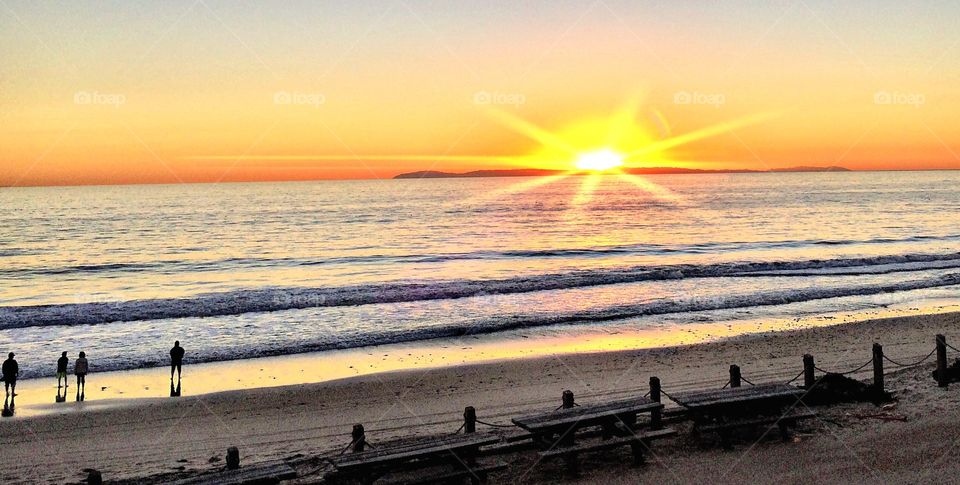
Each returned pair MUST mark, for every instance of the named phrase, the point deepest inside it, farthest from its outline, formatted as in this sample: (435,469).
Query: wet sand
(156,437)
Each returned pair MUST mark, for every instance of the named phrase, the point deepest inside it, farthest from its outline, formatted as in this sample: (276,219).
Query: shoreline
(119,387)
(152,437)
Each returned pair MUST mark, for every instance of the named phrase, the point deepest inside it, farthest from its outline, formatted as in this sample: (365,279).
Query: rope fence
(912,364)
(791,381)
(858,369)
(943,375)
(494,425)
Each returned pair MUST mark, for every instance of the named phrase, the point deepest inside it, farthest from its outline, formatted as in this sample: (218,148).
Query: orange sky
(138,92)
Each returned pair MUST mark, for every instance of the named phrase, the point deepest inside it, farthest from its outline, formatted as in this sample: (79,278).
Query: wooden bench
(479,472)
(723,410)
(457,451)
(637,442)
(259,474)
(781,421)
(555,432)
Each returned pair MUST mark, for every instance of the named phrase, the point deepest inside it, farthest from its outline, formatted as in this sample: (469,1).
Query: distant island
(538,172)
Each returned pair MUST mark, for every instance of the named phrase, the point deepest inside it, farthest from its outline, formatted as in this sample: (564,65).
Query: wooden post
(942,361)
(359,438)
(233,458)
(809,377)
(94,477)
(567,399)
(656,416)
(734,376)
(469,420)
(878,366)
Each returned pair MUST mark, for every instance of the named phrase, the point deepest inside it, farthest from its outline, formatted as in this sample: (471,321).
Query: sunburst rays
(619,134)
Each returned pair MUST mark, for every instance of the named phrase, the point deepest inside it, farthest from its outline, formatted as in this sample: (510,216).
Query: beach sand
(162,439)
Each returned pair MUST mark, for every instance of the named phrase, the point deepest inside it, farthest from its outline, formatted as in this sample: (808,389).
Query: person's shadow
(175,391)
(61,397)
(8,405)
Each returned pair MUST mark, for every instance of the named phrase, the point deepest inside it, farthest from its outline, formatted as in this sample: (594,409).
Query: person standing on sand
(80,369)
(10,372)
(62,370)
(176,359)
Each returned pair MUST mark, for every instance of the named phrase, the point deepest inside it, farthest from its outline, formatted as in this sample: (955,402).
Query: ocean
(244,270)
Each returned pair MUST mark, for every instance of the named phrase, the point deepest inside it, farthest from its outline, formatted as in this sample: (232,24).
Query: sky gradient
(207,91)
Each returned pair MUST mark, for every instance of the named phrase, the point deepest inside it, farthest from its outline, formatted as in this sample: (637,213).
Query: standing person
(80,369)
(176,359)
(10,372)
(62,370)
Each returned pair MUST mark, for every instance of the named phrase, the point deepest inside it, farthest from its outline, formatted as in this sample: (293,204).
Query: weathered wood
(637,441)
(233,458)
(479,472)
(781,422)
(792,416)
(656,415)
(726,397)
(358,438)
(640,436)
(878,366)
(735,376)
(942,379)
(809,368)
(94,477)
(263,473)
(413,449)
(587,415)
(469,420)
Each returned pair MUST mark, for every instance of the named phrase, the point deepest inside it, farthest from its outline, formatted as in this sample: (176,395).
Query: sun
(599,160)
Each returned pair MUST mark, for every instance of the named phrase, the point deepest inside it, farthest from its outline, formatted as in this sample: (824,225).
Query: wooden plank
(610,443)
(420,448)
(742,423)
(587,415)
(721,397)
(274,472)
(446,477)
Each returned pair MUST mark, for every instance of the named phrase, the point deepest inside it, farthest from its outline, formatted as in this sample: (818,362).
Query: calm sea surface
(241,270)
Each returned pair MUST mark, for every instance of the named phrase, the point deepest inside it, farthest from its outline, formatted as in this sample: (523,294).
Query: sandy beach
(161,439)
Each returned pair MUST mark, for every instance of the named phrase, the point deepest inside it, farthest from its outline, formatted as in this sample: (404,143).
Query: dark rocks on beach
(836,388)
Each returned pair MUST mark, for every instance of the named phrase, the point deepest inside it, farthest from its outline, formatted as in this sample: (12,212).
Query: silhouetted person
(80,369)
(176,359)
(10,372)
(62,370)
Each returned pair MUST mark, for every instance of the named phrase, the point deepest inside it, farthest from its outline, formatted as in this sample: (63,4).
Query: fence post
(359,438)
(233,458)
(94,477)
(942,361)
(809,377)
(734,376)
(878,366)
(567,399)
(469,420)
(656,416)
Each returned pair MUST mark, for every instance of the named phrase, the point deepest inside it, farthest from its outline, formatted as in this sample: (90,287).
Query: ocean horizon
(247,270)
